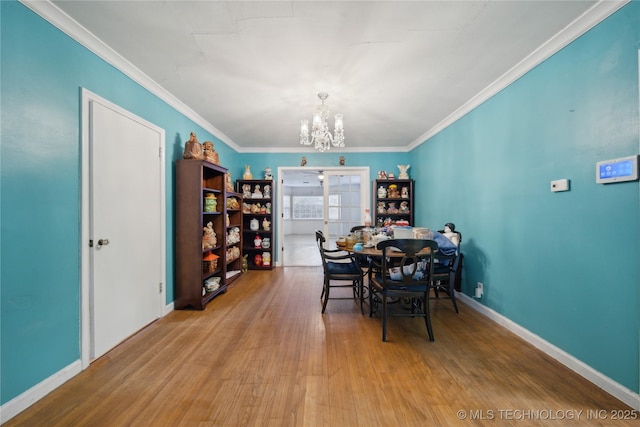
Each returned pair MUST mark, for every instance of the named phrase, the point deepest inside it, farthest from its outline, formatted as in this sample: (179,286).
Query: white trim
(365,197)
(168,308)
(38,391)
(85,320)
(575,29)
(73,29)
(596,14)
(615,389)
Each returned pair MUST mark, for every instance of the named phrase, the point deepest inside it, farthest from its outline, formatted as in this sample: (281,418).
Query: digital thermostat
(617,170)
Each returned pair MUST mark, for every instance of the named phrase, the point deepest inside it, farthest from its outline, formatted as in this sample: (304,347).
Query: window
(307,207)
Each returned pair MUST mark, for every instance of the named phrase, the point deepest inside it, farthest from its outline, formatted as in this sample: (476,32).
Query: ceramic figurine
(192,148)
(209,239)
(382,209)
(254,224)
(266,225)
(404,207)
(257,194)
(228,182)
(247,172)
(403,171)
(382,175)
(267,173)
(245,263)
(257,242)
(404,192)
(266,259)
(246,191)
(267,191)
(210,154)
(341,160)
(382,192)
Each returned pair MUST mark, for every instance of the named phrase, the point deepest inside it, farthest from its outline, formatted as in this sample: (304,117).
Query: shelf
(195,179)
(260,216)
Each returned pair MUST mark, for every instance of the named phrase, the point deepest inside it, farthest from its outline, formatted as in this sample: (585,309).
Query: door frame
(87,97)
(365,195)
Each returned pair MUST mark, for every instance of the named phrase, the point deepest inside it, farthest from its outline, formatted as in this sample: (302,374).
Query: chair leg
(326,295)
(427,316)
(452,295)
(361,284)
(384,318)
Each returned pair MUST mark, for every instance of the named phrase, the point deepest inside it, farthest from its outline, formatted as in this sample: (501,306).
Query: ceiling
(248,71)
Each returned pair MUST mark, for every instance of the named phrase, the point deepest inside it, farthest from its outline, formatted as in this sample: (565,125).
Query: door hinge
(160,291)
(91,243)
(160,152)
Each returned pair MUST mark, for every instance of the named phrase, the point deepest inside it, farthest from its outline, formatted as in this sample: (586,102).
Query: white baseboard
(607,384)
(38,391)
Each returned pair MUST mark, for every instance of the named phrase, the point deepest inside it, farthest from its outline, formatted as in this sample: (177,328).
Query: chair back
(415,267)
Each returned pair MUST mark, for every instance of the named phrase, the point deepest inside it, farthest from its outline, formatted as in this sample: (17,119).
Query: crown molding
(72,28)
(596,14)
(589,19)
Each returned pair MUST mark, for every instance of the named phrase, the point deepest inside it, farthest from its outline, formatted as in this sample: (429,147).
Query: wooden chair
(339,266)
(411,283)
(446,274)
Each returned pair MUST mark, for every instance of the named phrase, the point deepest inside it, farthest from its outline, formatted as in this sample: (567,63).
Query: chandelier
(321,138)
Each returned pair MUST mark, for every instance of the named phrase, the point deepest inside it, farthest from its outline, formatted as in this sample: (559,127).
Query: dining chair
(457,240)
(403,279)
(446,272)
(339,267)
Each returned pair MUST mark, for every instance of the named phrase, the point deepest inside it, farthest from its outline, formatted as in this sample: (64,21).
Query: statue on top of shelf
(192,148)
(404,174)
(210,154)
(247,172)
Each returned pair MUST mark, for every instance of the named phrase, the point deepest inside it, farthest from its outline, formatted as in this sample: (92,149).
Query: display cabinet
(393,202)
(257,222)
(204,265)
(234,235)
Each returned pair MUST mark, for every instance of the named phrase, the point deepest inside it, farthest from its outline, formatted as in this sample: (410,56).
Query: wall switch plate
(560,185)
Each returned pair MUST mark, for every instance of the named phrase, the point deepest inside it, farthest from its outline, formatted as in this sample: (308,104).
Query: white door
(125,211)
(346,193)
(346,196)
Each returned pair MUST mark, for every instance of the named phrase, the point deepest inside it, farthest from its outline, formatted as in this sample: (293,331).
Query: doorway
(330,199)
(123,226)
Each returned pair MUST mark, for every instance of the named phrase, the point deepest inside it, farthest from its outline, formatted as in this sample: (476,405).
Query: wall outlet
(479,290)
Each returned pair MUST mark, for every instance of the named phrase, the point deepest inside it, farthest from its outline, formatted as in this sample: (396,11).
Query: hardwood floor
(263,355)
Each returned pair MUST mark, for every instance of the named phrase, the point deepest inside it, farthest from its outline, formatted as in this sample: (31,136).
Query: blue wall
(562,265)
(489,173)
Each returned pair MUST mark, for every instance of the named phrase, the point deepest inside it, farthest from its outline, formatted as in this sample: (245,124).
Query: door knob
(103,242)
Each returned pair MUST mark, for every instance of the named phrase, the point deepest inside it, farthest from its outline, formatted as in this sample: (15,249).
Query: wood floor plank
(263,355)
